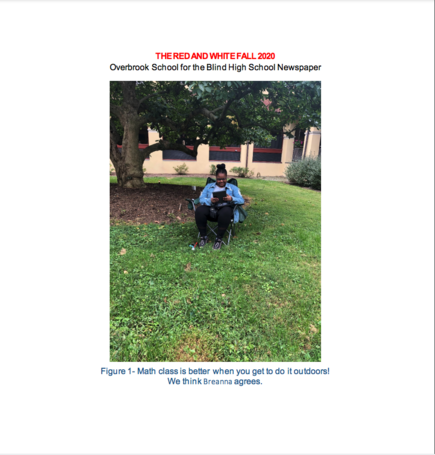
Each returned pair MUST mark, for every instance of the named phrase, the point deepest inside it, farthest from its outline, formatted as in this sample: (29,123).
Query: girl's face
(221,180)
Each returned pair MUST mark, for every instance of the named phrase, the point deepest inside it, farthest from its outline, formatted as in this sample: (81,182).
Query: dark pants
(202,214)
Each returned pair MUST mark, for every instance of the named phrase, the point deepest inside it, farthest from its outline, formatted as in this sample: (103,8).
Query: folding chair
(231,230)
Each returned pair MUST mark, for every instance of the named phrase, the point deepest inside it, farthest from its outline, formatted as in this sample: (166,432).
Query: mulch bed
(156,203)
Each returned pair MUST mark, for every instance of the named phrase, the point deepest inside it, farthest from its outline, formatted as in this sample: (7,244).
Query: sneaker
(217,244)
(203,242)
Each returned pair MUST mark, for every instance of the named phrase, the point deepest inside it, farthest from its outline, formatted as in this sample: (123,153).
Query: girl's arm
(237,196)
(203,199)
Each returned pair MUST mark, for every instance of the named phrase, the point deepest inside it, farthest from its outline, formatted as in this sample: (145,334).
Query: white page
(377,230)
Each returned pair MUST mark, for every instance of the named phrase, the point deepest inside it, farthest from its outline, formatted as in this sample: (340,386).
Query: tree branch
(143,121)
(151,95)
(115,139)
(129,92)
(239,122)
(236,98)
(114,132)
(226,107)
(209,114)
(166,145)
(116,110)
(217,109)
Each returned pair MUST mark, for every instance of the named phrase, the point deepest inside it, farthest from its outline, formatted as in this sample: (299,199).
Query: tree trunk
(128,163)
(131,172)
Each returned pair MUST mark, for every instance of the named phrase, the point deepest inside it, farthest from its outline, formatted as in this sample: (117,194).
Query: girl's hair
(220,169)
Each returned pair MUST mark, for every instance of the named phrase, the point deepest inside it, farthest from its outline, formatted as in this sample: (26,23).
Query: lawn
(254,301)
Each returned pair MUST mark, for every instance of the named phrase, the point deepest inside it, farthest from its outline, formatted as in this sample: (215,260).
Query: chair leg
(230,233)
(212,229)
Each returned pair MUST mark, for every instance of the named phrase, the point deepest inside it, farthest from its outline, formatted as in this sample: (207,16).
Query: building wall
(312,149)
(287,147)
(262,167)
(157,165)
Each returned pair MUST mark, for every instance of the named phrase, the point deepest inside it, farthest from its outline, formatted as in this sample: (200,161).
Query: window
(229,153)
(276,143)
(222,155)
(271,153)
(265,156)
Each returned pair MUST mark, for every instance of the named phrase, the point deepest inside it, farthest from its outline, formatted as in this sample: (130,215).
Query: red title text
(215,55)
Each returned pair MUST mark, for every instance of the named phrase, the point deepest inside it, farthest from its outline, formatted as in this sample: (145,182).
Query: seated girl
(224,209)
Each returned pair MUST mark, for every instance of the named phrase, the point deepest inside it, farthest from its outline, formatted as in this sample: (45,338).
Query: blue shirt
(231,190)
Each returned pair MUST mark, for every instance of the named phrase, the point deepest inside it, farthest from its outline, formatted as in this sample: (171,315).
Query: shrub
(144,170)
(307,172)
(182,169)
(242,172)
(212,169)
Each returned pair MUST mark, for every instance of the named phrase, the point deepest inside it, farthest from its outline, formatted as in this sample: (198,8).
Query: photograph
(215,221)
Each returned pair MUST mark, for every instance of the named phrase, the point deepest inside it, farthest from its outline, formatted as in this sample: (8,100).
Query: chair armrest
(191,203)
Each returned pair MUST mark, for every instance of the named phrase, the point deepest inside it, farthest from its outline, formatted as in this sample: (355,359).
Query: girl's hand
(228,198)
(214,200)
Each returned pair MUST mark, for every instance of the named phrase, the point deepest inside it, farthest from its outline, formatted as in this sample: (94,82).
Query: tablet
(220,195)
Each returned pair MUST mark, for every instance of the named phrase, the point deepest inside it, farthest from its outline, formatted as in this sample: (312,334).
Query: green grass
(257,300)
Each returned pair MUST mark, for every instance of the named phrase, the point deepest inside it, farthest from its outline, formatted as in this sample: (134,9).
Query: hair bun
(220,166)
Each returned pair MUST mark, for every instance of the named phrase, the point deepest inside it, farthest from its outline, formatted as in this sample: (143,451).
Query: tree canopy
(206,112)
